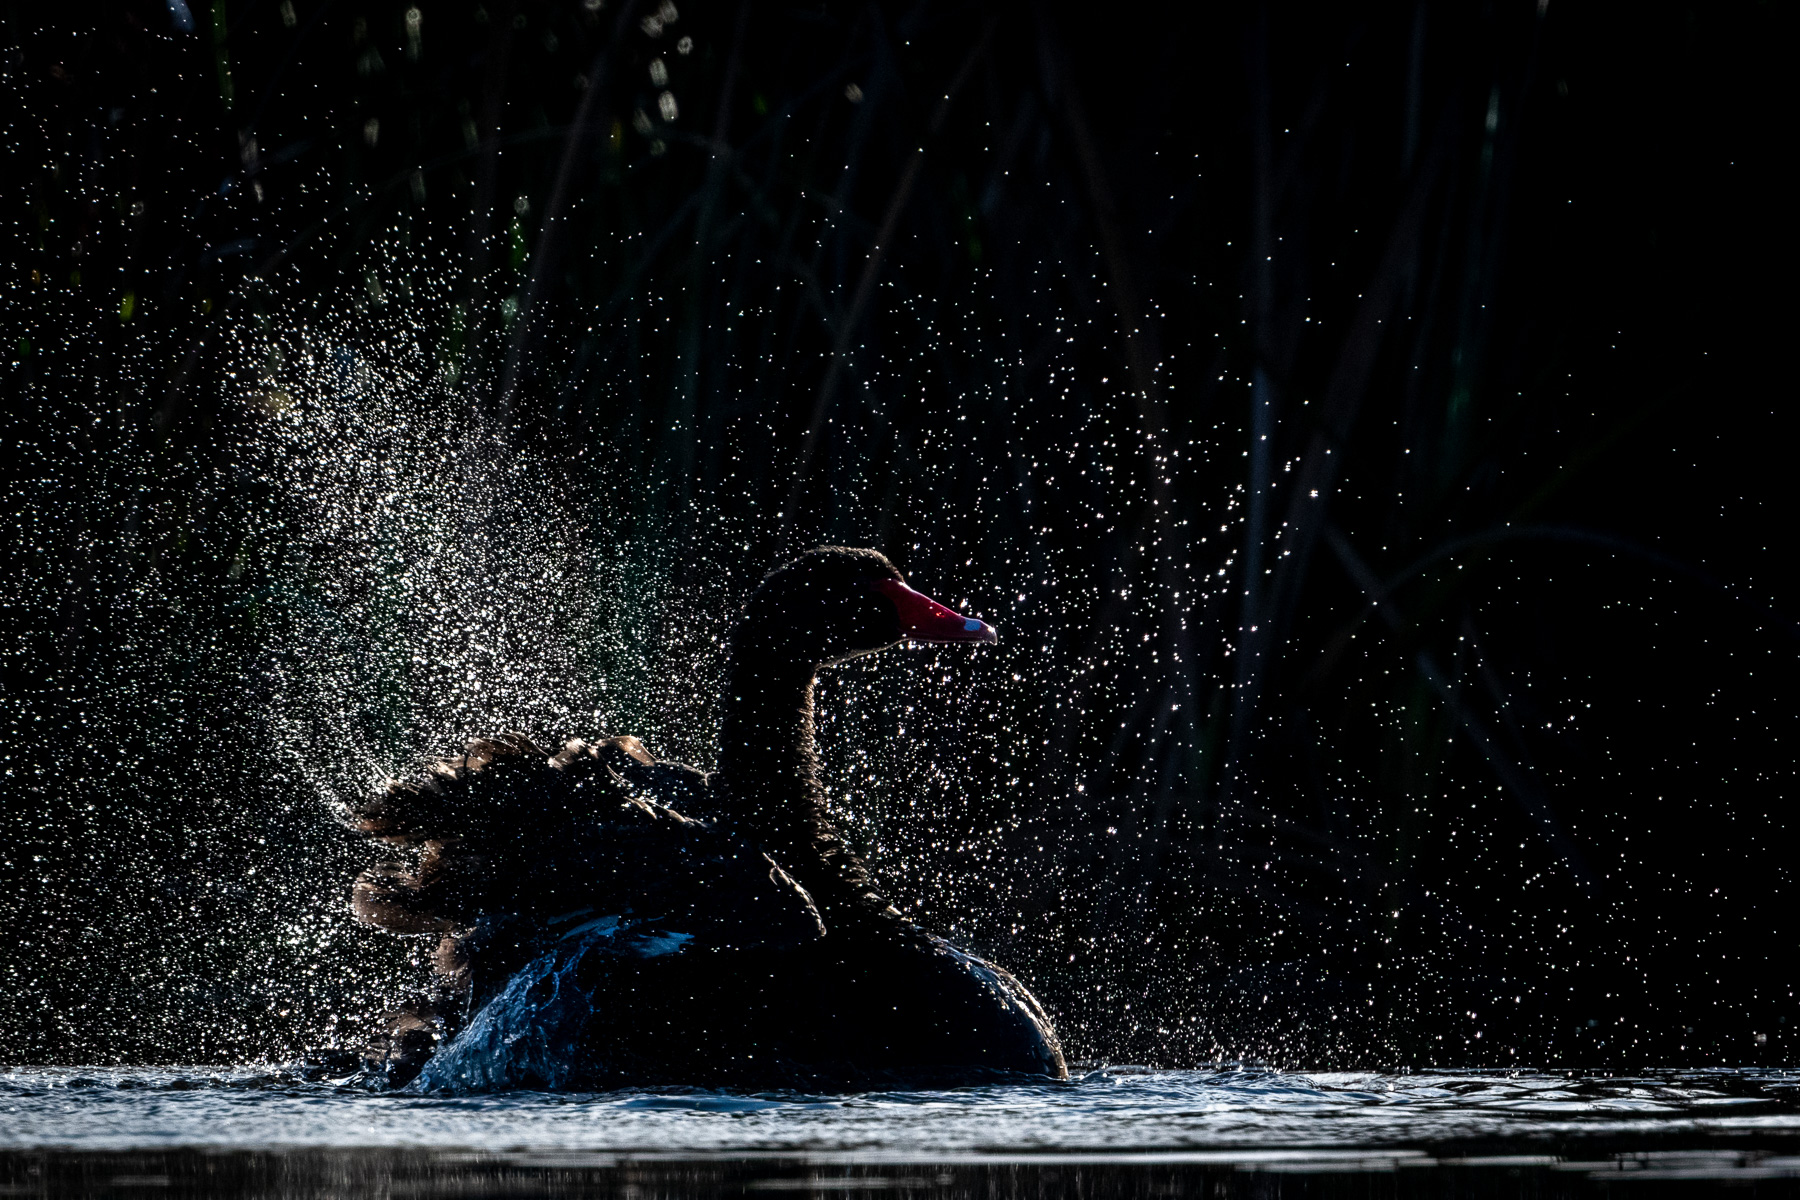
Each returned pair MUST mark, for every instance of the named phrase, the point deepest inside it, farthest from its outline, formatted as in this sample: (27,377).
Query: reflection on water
(397,1174)
(1113,1132)
(1110,1133)
(1109,1110)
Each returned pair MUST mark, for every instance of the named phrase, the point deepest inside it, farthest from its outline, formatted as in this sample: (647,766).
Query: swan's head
(835,603)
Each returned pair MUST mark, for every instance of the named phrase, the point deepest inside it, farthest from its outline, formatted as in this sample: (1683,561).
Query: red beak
(923,619)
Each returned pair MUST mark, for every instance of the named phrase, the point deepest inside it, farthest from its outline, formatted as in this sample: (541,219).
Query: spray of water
(429,578)
(433,581)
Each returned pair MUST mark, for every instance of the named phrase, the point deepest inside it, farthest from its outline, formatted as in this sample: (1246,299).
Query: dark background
(1362,421)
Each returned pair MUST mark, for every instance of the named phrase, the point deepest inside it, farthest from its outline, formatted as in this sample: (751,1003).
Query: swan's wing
(499,785)
(652,864)
(671,785)
(493,789)
(508,828)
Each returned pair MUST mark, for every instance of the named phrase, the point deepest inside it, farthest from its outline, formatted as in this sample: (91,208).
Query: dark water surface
(243,1131)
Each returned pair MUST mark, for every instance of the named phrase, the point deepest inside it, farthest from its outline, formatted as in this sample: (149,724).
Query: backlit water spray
(426,577)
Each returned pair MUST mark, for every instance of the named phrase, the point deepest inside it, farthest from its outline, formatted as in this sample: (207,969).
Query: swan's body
(598,938)
(635,1006)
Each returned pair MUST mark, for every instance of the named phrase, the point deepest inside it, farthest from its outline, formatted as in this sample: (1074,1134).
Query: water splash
(432,579)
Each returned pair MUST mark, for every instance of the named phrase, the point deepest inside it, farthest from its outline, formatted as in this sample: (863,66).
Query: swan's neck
(770,770)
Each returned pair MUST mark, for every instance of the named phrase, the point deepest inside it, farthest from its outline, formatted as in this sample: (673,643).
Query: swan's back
(515,849)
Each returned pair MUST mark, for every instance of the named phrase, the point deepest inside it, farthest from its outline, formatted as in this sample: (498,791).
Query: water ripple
(1112,1111)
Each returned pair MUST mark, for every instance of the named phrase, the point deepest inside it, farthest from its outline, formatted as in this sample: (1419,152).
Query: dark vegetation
(1374,411)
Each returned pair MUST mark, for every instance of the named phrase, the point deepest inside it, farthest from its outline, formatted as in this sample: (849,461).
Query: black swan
(611,921)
